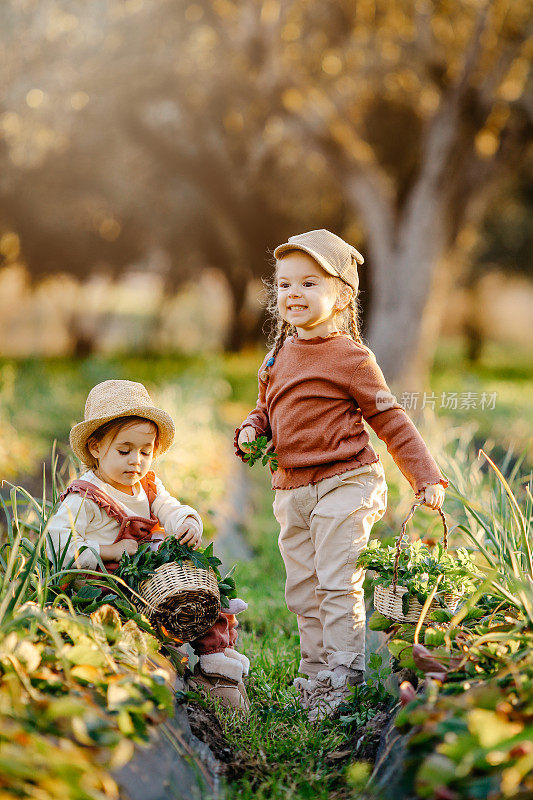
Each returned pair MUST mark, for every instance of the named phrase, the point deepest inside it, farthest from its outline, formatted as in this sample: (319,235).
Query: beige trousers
(324,528)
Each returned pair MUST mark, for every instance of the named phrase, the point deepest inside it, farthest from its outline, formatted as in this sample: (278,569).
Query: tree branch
(472,54)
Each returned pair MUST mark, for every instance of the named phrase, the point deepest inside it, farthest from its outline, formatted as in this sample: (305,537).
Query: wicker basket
(183,598)
(389,604)
(388,599)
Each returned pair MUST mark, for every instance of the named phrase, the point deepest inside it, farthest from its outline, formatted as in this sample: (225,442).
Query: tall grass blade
(8,519)
(519,517)
(14,549)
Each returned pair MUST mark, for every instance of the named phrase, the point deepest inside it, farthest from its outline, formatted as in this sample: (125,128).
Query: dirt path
(230,544)
(174,766)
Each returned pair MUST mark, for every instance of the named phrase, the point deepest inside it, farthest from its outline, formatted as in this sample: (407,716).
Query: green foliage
(30,573)
(78,692)
(419,568)
(472,736)
(478,743)
(137,567)
(257,450)
(366,700)
(378,622)
(503,534)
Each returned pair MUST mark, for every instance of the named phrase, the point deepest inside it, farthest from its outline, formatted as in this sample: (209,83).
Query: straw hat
(111,400)
(333,254)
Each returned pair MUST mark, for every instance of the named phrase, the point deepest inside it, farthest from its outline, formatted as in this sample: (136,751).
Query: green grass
(44,396)
(262,578)
(503,370)
(281,754)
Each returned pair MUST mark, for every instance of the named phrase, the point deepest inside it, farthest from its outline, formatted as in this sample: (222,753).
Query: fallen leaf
(87,672)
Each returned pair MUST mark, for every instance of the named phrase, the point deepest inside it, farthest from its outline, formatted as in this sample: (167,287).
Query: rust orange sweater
(319,392)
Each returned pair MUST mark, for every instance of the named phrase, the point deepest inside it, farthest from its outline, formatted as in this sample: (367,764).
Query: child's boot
(230,652)
(332,687)
(305,689)
(221,678)
(219,664)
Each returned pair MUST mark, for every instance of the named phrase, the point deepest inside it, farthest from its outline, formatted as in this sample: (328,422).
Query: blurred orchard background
(154,152)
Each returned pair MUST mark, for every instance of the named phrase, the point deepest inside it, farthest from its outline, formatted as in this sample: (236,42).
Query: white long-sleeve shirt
(91,526)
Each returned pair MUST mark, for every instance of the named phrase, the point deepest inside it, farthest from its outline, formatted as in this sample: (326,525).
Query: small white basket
(389,603)
(388,599)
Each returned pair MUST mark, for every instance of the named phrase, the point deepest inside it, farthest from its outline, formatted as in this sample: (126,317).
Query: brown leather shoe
(232,694)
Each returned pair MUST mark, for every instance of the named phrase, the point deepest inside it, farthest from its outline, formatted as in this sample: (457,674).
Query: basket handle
(399,542)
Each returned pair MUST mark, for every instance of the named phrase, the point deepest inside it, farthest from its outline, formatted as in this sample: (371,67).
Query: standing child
(119,503)
(316,386)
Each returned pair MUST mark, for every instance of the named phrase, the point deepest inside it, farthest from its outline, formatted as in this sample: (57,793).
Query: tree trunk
(405,250)
(400,314)
(474,327)
(83,335)
(239,329)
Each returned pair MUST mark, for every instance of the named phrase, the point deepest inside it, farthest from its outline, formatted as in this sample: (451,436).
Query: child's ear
(94,448)
(345,295)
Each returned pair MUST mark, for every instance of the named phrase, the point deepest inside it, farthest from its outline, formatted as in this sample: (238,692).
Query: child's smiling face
(307,295)
(124,457)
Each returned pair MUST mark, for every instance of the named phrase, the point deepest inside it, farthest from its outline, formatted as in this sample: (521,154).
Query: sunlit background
(154,151)
(153,154)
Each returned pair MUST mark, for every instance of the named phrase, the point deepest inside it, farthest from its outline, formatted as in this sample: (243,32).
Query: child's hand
(247,435)
(113,552)
(189,533)
(433,495)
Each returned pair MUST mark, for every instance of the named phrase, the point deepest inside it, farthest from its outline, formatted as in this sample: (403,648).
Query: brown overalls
(141,529)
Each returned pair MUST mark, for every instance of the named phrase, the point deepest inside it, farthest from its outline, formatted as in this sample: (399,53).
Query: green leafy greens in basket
(138,567)
(419,568)
(257,450)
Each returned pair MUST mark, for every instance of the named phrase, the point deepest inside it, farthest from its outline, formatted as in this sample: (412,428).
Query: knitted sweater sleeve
(392,424)
(69,533)
(171,513)
(258,417)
